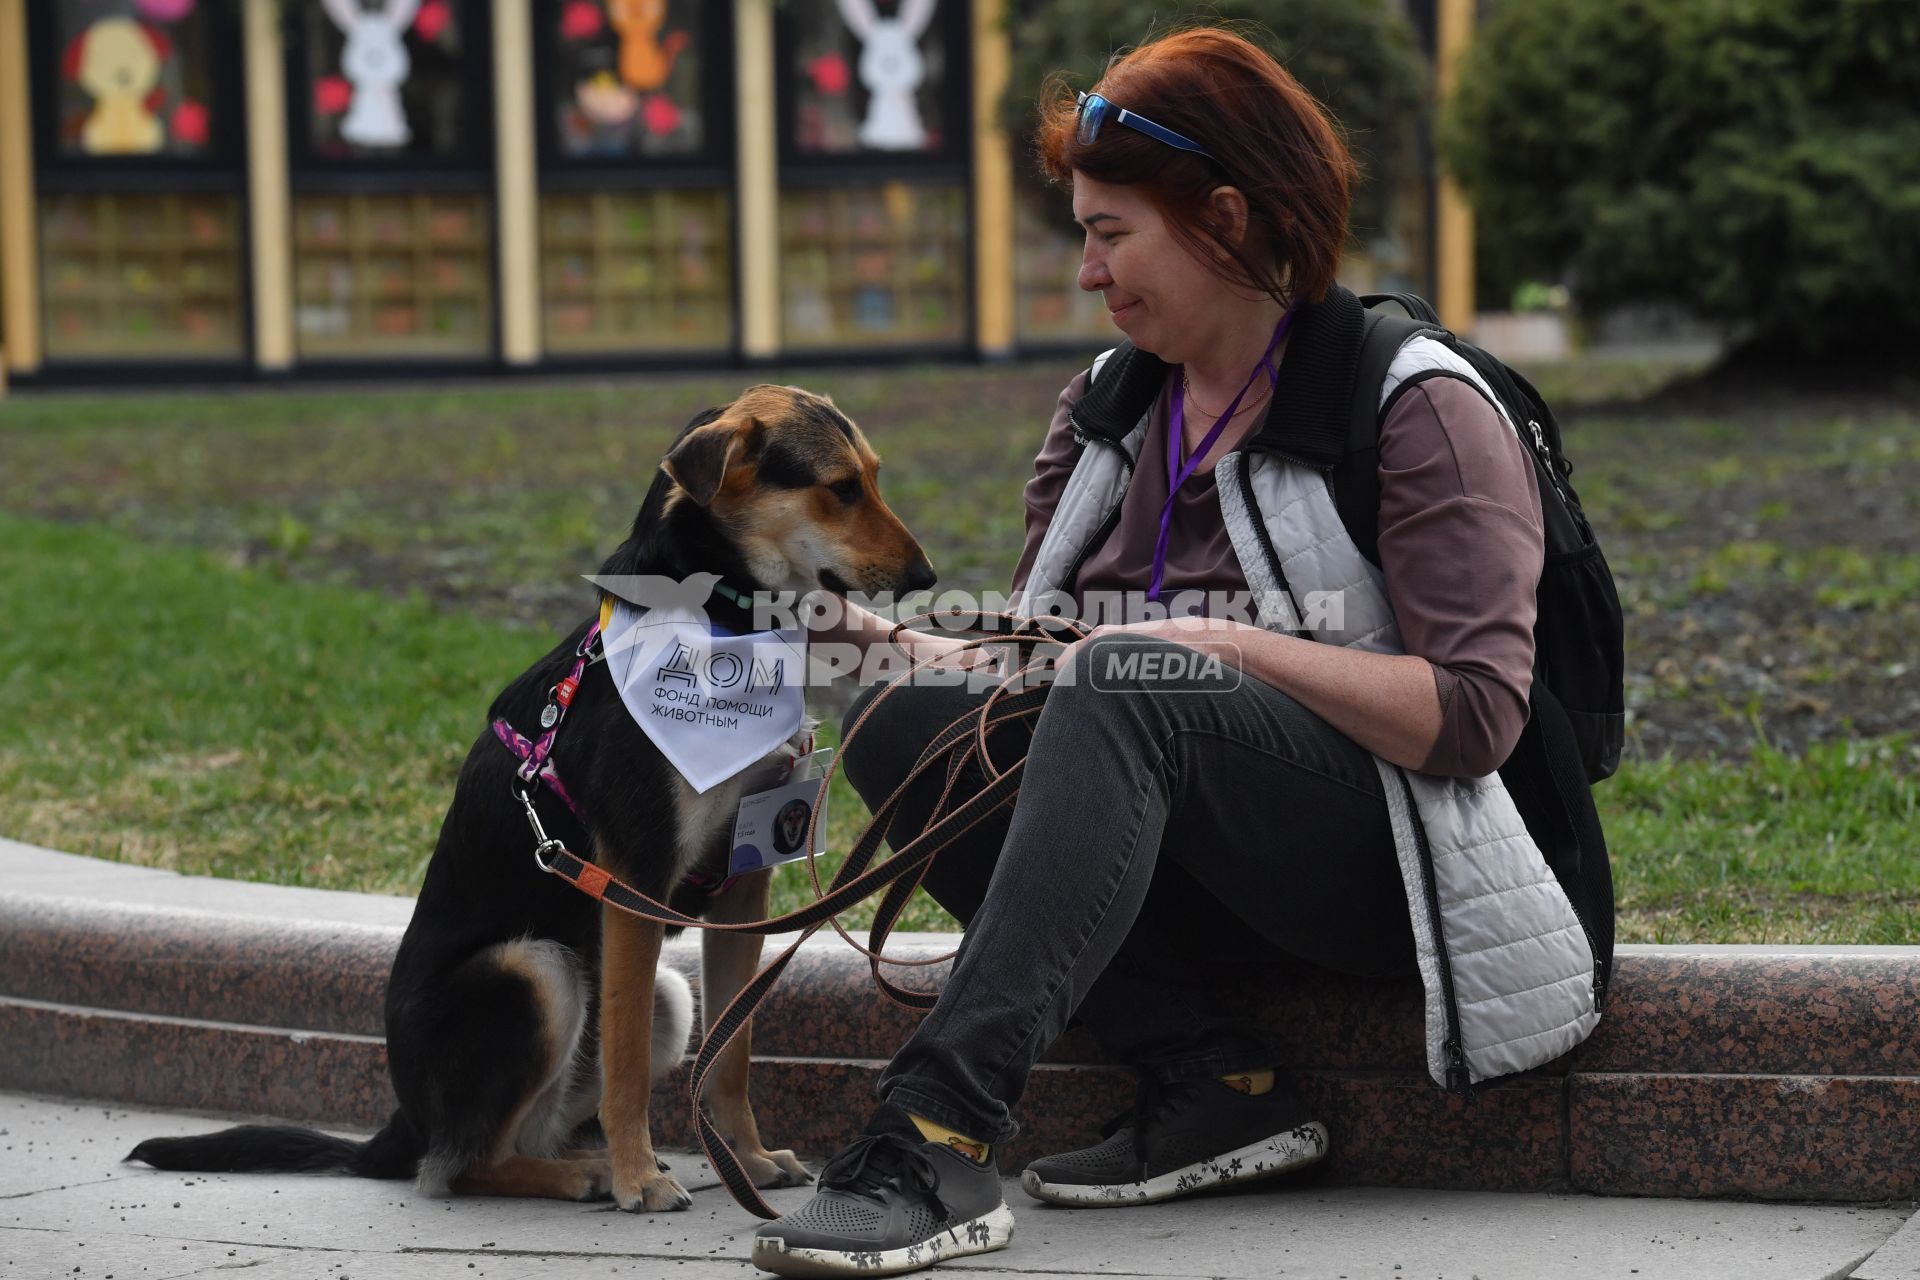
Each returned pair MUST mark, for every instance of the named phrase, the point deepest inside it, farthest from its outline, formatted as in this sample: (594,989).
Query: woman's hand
(839,628)
(1217,636)
(1385,702)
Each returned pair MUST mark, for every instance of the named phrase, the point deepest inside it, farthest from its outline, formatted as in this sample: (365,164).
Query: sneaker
(891,1202)
(1181,1139)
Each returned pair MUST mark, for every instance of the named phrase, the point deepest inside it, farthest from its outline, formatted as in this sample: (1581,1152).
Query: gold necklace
(1187,388)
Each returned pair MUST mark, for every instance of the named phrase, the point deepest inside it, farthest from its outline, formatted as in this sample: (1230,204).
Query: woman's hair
(1268,136)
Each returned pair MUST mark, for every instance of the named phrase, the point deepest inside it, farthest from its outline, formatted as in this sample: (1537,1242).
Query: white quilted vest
(1507,967)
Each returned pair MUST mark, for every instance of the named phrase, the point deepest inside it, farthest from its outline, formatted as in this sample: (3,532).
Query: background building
(211,188)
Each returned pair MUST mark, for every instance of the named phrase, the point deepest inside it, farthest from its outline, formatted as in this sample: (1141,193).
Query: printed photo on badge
(790,826)
(771,826)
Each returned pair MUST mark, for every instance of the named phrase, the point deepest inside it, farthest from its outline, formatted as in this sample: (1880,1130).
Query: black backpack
(1578,634)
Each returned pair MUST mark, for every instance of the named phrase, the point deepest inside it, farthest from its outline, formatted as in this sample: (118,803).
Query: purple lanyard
(1178,469)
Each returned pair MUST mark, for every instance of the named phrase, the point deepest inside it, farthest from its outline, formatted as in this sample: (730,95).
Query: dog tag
(771,826)
(549,716)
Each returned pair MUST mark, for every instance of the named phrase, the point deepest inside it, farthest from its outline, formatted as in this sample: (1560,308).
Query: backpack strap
(1123,385)
(1416,307)
(1356,477)
(1120,387)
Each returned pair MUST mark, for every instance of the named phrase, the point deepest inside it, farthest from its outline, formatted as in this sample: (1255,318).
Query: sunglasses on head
(1093,111)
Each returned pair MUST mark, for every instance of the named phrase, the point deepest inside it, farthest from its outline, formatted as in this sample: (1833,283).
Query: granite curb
(1781,1073)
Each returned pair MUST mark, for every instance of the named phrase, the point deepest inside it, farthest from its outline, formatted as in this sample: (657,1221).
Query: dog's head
(794,484)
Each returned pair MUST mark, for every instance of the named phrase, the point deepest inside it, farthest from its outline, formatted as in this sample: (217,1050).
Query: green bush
(1755,160)
(1356,56)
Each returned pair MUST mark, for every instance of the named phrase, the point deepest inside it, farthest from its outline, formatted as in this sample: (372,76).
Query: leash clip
(547,846)
(544,845)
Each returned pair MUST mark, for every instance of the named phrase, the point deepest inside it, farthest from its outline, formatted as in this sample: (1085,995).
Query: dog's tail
(280,1148)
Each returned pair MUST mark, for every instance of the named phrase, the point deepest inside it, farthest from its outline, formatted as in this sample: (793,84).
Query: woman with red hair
(1277,746)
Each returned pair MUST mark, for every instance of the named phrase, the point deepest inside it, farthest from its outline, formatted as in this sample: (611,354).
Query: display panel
(874,264)
(1049,303)
(386,82)
(873,77)
(136,78)
(141,276)
(386,274)
(631,271)
(628,79)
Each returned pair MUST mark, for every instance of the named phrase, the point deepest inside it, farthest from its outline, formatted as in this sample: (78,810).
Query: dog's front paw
(775,1169)
(658,1192)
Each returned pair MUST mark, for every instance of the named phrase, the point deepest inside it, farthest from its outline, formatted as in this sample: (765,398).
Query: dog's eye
(848,490)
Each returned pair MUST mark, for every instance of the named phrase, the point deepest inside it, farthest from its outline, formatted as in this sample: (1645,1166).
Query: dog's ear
(703,458)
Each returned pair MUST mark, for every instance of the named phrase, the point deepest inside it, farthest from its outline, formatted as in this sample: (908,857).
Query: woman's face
(1159,294)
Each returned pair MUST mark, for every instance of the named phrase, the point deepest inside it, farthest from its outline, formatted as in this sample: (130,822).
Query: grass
(171,709)
(1840,577)
(250,635)
(174,712)
(185,714)
(1780,848)
(493,498)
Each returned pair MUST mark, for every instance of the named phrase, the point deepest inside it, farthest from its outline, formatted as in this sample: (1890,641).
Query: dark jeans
(1167,833)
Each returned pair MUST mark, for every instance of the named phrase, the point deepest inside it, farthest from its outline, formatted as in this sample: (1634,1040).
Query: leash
(1018,696)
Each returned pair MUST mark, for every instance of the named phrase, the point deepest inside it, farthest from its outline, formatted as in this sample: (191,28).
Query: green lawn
(254,632)
(172,709)
(492,499)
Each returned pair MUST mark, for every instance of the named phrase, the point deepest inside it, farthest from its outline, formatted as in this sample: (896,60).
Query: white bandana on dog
(713,703)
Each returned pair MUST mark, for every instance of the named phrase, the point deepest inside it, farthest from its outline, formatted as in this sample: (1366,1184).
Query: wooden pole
(1453,232)
(757,181)
(269,203)
(19,264)
(516,182)
(993,327)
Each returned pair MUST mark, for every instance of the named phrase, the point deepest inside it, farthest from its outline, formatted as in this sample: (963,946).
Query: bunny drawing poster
(891,70)
(374,61)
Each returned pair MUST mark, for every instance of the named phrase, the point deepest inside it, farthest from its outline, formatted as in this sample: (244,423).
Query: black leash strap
(857,879)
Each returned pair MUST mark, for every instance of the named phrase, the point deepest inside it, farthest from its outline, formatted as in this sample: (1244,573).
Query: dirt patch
(1769,561)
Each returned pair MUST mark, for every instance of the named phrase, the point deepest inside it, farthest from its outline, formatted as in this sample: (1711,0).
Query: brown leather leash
(1018,696)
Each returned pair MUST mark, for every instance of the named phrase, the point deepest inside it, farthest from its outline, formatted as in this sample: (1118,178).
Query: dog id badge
(771,826)
(713,703)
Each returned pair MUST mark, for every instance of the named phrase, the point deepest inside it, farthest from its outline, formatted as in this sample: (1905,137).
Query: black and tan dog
(518,1007)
